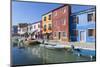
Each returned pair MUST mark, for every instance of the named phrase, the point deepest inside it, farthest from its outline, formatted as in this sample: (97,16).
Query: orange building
(47,25)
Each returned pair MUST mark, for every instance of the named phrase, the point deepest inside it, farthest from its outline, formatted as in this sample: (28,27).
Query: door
(82,36)
(59,35)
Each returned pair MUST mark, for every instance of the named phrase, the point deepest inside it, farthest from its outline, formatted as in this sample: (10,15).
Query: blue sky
(30,12)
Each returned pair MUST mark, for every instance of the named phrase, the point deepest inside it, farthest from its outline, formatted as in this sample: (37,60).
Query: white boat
(53,46)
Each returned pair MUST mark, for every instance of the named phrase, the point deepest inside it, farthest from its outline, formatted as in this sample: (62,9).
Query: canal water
(40,55)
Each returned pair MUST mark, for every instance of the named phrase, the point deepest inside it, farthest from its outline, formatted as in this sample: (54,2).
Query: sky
(30,12)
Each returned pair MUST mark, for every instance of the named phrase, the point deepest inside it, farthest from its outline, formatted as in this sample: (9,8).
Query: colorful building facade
(60,18)
(36,29)
(62,25)
(47,25)
(82,26)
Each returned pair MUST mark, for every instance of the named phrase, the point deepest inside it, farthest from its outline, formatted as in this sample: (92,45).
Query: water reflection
(24,57)
(41,55)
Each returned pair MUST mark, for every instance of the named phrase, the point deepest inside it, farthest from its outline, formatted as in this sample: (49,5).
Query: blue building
(14,29)
(82,26)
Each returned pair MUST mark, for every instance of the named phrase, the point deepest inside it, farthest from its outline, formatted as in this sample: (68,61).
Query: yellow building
(47,25)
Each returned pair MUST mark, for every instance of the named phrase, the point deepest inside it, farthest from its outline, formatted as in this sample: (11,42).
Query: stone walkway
(81,45)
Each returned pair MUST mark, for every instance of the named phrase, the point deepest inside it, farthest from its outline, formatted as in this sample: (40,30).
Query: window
(64,34)
(64,10)
(44,27)
(34,26)
(75,19)
(55,24)
(30,27)
(55,34)
(55,13)
(94,17)
(94,32)
(90,17)
(38,25)
(91,32)
(49,17)
(64,21)
(44,18)
(50,27)
(75,32)
(60,21)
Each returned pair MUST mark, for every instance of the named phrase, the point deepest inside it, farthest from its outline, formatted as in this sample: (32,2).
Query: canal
(41,55)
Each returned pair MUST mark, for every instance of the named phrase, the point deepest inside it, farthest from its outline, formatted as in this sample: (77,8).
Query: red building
(60,18)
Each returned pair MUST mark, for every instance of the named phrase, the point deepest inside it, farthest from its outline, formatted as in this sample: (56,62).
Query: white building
(22,28)
(36,29)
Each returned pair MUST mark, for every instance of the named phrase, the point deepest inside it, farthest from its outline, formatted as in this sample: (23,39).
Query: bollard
(91,57)
(79,54)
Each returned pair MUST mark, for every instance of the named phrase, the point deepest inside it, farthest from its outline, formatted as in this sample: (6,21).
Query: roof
(22,25)
(56,8)
(84,11)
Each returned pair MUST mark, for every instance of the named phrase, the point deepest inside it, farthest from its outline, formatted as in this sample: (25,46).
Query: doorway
(59,35)
(82,36)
